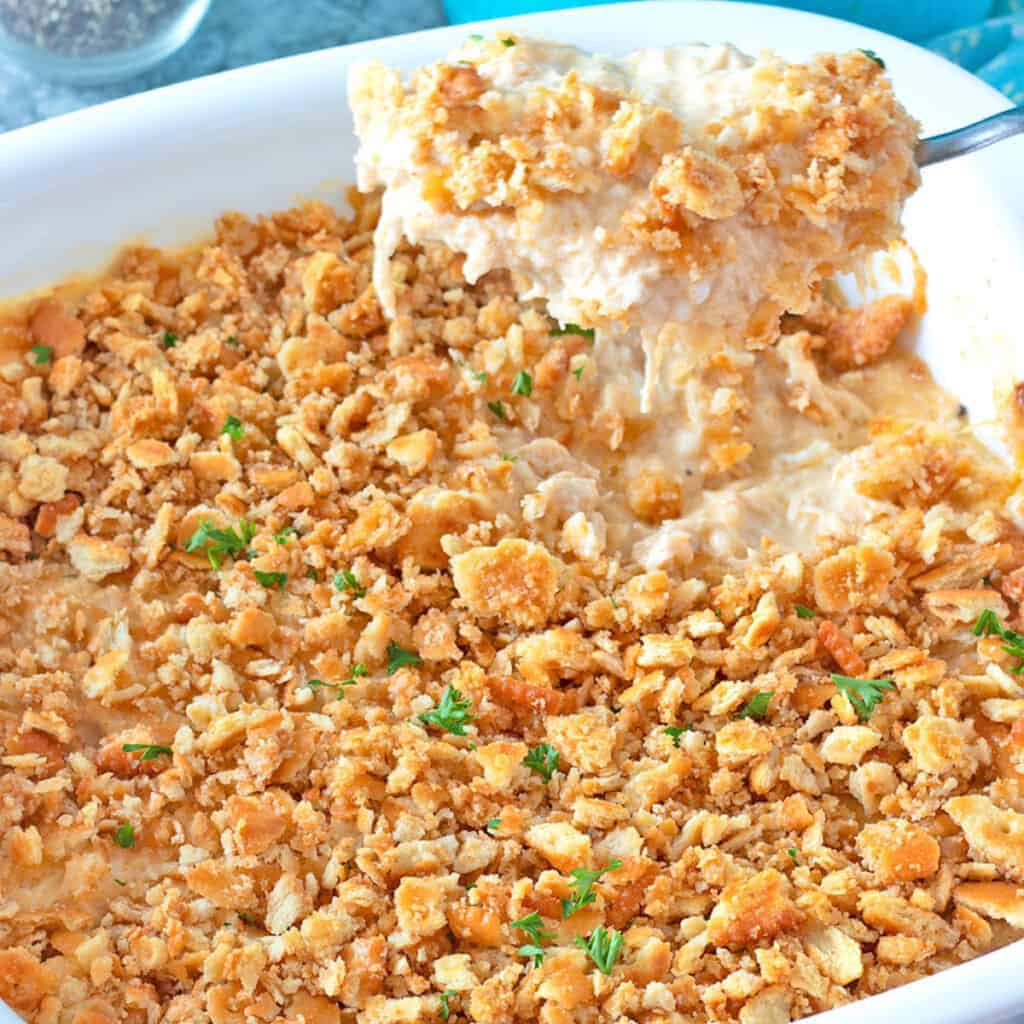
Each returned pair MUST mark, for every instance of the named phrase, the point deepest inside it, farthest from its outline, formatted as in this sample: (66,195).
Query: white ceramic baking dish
(161,165)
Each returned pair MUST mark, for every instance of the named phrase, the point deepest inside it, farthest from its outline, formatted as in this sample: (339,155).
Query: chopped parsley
(451,714)
(245,916)
(218,543)
(583,332)
(358,671)
(863,694)
(493,825)
(534,952)
(508,41)
(149,751)
(582,884)
(523,384)
(533,925)
(233,341)
(168,340)
(120,881)
(444,997)
(125,836)
(476,37)
(281,536)
(792,851)
(542,759)
(271,579)
(481,375)
(346,580)
(498,408)
(603,947)
(988,625)
(233,428)
(871,55)
(803,612)
(312,574)
(398,657)
(676,732)
(43,354)
(757,706)
(509,458)
(578,372)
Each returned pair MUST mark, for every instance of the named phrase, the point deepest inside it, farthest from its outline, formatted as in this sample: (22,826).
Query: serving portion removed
(536,595)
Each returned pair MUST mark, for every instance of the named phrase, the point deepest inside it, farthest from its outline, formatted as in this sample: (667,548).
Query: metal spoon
(967,140)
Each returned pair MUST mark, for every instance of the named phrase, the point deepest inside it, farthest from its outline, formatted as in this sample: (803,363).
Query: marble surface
(234,33)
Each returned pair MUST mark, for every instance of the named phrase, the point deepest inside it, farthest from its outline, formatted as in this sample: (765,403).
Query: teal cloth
(984,36)
(993,49)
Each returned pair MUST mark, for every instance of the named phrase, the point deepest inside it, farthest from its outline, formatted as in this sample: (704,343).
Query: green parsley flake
(233,428)
(125,836)
(43,354)
(543,759)
(792,851)
(168,340)
(523,384)
(398,657)
(452,713)
(217,544)
(346,580)
(271,579)
(578,372)
(244,915)
(508,42)
(988,625)
(533,925)
(583,332)
(534,952)
(233,341)
(149,751)
(582,883)
(358,671)
(603,947)
(803,612)
(476,37)
(494,824)
(481,375)
(312,574)
(120,881)
(510,458)
(863,694)
(874,56)
(281,536)
(498,408)
(676,732)
(444,997)
(757,706)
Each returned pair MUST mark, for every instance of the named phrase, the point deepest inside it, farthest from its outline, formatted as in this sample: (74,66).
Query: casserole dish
(162,165)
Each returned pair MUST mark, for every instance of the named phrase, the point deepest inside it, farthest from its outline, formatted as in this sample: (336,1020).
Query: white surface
(161,165)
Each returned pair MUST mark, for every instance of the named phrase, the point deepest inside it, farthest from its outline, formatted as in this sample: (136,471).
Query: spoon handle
(967,140)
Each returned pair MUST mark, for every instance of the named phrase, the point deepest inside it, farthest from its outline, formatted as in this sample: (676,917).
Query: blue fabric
(984,36)
(992,49)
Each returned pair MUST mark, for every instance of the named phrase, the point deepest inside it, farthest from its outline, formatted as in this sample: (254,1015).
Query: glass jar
(88,42)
